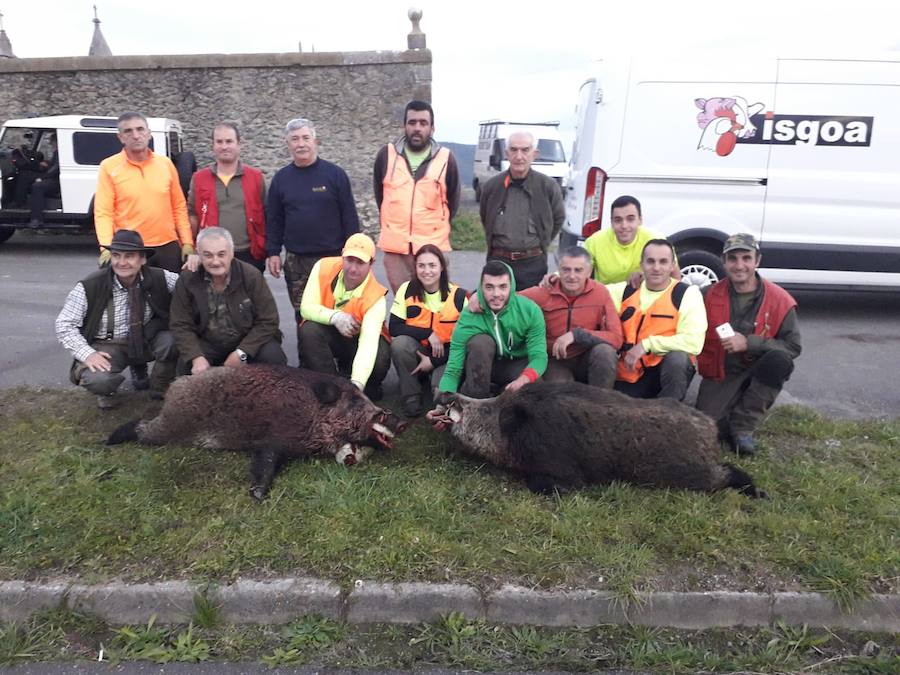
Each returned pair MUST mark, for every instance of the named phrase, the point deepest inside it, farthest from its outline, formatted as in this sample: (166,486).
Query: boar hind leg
(544,484)
(263,467)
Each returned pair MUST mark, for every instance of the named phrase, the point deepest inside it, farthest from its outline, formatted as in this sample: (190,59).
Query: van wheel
(477,192)
(6,233)
(700,268)
(186,165)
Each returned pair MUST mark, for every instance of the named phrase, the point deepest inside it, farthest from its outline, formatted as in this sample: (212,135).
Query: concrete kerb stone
(694,611)
(282,600)
(20,599)
(518,605)
(372,602)
(276,601)
(879,613)
(122,603)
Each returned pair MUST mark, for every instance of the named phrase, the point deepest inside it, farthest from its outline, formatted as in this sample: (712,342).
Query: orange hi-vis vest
(414,212)
(358,305)
(441,322)
(661,318)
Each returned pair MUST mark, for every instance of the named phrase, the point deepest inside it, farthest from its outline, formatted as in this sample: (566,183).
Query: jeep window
(91,148)
(174,143)
(550,151)
(16,137)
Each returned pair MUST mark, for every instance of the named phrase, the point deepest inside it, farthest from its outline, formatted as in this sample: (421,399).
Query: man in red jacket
(230,195)
(583,329)
(752,339)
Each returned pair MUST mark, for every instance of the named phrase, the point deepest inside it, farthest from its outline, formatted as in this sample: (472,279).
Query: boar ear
(326,392)
(444,398)
(513,418)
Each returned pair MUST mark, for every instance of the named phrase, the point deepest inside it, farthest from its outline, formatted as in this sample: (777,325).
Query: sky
(523,61)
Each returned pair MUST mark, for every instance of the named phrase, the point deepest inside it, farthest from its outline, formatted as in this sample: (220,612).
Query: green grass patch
(467,233)
(455,642)
(72,506)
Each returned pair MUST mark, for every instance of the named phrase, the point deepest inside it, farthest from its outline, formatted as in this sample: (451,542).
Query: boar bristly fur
(561,436)
(274,412)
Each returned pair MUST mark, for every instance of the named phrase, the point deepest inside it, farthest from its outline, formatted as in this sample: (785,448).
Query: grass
(72,506)
(467,233)
(455,642)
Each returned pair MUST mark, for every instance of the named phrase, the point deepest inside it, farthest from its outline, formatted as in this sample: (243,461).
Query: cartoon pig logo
(723,121)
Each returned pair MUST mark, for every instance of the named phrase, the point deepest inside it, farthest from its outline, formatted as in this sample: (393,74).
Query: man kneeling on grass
(504,344)
(118,317)
(223,314)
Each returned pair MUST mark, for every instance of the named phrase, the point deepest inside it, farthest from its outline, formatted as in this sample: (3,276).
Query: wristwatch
(242,355)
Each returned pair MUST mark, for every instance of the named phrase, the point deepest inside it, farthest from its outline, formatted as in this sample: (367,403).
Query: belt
(516,255)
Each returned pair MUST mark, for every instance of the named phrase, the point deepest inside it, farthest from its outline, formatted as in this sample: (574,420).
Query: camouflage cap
(740,242)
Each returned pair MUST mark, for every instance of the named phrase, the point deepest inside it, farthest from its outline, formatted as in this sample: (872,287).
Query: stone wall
(355,99)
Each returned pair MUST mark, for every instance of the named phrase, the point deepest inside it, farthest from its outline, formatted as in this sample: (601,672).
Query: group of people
(180,283)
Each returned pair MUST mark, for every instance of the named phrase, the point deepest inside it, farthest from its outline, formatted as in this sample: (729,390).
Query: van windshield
(550,150)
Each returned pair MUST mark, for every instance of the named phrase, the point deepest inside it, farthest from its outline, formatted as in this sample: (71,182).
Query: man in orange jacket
(416,184)
(139,190)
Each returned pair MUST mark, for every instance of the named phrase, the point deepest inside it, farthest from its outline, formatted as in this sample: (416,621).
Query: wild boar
(274,412)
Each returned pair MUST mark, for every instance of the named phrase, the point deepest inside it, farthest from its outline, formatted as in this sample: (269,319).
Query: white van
(490,153)
(802,153)
(83,142)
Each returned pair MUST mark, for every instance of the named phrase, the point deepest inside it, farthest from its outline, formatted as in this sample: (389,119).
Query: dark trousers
(404,355)
(670,379)
(271,352)
(740,400)
(322,345)
(481,369)
(244,256)
(528,271)
(167,256)
(596,366)
(296,270)
(160,350)
(39,193)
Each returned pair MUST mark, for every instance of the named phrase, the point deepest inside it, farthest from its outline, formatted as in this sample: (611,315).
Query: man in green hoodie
(503,344)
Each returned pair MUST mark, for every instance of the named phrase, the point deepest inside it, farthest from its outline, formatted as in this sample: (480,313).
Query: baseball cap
(359,246)
(740,242)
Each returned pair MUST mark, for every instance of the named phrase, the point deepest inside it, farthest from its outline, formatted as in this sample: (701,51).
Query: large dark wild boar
(562,435)
(275,412)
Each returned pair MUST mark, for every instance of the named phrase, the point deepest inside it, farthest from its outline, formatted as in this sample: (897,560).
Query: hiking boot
(412,406)
(107,402)
(140,380)
(374,392)
(743,443)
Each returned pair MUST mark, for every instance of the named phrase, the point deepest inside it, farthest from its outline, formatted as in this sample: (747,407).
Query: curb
(280,601)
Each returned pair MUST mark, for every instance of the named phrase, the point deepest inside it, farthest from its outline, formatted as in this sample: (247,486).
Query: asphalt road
(851,340)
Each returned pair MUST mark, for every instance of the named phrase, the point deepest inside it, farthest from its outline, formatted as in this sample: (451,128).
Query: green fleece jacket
(518,331)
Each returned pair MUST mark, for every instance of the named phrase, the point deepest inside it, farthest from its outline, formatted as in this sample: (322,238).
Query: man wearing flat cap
(752,339)
(118,317)
(343,310)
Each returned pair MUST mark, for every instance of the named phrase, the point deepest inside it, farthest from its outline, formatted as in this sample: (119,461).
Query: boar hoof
(258,492)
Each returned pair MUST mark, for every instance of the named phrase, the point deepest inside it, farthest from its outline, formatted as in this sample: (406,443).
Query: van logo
(725,122)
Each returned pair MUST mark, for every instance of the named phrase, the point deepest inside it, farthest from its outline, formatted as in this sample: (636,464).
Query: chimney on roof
(6,51)
(98,42)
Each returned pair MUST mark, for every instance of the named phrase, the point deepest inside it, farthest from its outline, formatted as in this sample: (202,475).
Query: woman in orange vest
(423,317)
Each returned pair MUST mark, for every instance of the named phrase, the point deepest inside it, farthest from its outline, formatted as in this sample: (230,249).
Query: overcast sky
(491,59)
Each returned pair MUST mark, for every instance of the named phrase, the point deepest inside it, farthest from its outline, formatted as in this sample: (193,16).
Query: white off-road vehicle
(26,149)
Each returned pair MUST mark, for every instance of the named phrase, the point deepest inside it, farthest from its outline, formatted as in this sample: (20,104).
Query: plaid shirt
(71,318)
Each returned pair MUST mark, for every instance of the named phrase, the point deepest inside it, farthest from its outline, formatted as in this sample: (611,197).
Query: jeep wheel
(6,233)
(186,165)
(700,268)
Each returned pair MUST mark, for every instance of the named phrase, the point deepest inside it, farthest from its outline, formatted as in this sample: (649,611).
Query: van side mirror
(494,162)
